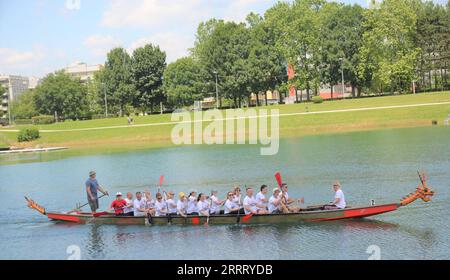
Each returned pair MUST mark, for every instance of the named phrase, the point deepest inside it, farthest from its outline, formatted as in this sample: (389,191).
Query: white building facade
(83,71)
(14,86)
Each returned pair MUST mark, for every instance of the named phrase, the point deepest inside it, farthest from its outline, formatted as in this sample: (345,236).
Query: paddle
(79,207)
(278,177)
(420,177)
(161,180)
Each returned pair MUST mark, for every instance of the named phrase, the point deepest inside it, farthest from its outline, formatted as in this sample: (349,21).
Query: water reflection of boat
(309,214)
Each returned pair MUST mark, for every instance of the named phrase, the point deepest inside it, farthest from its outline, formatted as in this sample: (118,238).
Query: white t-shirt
(182,206)
(259,198)
(251,203)
(139,204)
(214,206)
(229,205)
(192,205)
(340,194)
(172,206)
(203,206)
(237,199)
(128,209)
(149,204)
(272,207)
(160,206)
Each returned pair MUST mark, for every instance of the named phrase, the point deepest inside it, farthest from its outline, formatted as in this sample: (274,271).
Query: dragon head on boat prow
(423,192)
(33,205)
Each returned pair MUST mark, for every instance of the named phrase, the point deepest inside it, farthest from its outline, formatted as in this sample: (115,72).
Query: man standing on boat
(92,188)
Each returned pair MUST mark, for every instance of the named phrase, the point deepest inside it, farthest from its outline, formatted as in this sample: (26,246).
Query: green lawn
(133,138)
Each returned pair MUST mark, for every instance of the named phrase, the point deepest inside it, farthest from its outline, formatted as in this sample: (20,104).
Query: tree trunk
(353,91)
(257,99)
(332,91)
(265,97)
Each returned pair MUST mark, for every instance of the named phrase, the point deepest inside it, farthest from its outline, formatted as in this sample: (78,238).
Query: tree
(24,106)
(341,32)
(61,95)
(295,26)
(148,65)
(115,79)
(266,65)
(223,48)
(183,82)
(388,54)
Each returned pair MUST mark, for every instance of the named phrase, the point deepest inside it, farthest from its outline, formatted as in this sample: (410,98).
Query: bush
(28,134)
(43,119)
(23,121)
(317,99)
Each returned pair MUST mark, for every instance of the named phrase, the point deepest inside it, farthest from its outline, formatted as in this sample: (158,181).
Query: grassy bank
(158,135)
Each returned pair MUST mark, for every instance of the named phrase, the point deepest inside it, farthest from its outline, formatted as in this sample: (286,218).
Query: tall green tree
(116,80)
(341,32)
(61,94)
(266,64)
(183,82)
(24,106)
(148,65)
(388,54)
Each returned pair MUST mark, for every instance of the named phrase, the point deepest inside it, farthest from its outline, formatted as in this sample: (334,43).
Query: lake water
(379,165)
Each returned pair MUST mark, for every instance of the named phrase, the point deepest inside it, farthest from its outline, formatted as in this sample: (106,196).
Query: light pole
(217,90)
(342,74)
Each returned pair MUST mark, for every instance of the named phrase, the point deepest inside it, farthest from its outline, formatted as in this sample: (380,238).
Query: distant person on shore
(339,198)
(92,188)
(130,120)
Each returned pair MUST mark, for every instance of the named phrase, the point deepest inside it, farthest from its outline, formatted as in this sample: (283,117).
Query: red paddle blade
(246,218)
(161,180)
(278,177)
(96,215)
(196,220)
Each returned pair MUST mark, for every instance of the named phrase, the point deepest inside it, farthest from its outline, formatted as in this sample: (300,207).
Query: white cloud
(238,10)
(174,44)
(14,61)
(99,45)
(151,13)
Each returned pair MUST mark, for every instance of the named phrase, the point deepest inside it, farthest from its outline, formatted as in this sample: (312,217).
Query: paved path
(224,119)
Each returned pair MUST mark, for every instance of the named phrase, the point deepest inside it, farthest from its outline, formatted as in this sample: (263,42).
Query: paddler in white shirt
(288,201)
(230,206)
(261,196)
(216,203)
(171,205)
(203,205)
(251,206)
(192,203)
(160,206)
(275,202)
(182,204)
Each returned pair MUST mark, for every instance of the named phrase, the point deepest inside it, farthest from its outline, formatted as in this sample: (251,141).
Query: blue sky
(41,36)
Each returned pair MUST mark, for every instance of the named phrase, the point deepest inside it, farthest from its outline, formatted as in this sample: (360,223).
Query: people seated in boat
(92,188)
(230,206)
(203,205)
(216,203)
(237,197)
(118,205)
(139,205)
(339,198)
(160,206)
(192,203)
(129,210)
(275,202)
(171,204)
(288,201)
(182,204)
(251,206)
(261,196)
(149,203)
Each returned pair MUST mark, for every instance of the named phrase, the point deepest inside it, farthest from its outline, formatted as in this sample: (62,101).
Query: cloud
(238,10)
(99,45)
(175,45)
(152,13)
(14,61)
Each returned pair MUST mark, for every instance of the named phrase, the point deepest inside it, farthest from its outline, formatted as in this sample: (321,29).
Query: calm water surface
(378,165)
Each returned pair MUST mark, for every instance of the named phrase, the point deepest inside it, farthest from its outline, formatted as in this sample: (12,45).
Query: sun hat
(118,194)
(275,189)
(92,173)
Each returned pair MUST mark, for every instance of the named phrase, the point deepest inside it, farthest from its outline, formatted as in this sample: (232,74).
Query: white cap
(118,193)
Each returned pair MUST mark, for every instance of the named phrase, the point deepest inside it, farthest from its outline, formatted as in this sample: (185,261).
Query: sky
(38,37)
